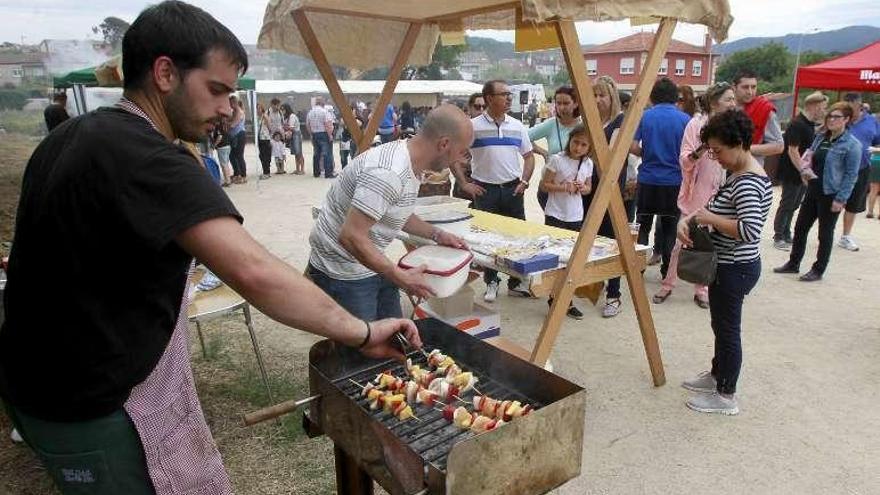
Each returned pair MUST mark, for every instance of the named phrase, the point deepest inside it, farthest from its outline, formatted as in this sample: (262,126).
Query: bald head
(448,121)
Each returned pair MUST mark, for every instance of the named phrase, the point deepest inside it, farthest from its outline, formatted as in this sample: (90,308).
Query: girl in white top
(567,177)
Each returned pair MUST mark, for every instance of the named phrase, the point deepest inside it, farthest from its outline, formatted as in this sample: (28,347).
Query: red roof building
(623,59)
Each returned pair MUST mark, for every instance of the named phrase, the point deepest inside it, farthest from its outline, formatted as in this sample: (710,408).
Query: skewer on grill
(462,418)
(393,403)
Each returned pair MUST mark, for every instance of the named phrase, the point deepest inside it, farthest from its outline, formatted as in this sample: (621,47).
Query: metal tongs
(405,344)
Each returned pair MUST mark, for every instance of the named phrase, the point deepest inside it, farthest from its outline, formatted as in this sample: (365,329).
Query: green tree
(112,29)
(562,79)
(771,63)
(445,59)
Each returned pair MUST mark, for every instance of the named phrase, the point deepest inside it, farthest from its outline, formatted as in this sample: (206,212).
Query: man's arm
(355,238)
(418,227)
(773,139)
(794,154)
(278,290)
(528,169)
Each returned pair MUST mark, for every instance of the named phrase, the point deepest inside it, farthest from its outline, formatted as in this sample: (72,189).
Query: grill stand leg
(350,478)
(246,309)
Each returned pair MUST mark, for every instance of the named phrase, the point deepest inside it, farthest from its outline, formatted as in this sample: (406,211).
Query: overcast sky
(36,20)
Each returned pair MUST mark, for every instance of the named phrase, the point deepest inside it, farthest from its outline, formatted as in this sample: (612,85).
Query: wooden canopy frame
(610,159)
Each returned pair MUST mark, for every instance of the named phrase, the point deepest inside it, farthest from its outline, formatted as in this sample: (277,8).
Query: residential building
(624,58)
(17,69)
(472,65)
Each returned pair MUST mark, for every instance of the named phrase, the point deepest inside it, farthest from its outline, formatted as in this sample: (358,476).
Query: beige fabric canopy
(367,34)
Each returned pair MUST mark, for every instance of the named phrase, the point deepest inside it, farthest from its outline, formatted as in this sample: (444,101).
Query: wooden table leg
(350,478)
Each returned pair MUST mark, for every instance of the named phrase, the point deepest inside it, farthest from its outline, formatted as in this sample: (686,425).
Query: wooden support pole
(326,71)
(409,40)
(610,163)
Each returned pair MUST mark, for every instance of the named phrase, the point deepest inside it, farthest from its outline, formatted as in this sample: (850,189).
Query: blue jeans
(369,299)
(499,199)
(322,149)
(726,295)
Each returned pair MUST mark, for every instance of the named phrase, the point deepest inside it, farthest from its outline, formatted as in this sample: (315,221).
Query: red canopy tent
(855,71)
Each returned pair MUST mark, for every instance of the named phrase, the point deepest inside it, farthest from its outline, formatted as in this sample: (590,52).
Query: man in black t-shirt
(798,138)
(56,112)
(94,370)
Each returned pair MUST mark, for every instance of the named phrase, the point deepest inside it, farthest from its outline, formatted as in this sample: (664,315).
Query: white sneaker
(704,383)
(612,307)
(847,242)
(714,403)
(491,291)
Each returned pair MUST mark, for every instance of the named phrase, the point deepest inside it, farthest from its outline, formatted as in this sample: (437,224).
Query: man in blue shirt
(867,130)
(660,133)
(389,125)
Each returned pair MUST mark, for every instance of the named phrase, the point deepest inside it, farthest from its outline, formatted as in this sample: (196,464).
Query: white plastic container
(440,203)
(447,267)
(452,221)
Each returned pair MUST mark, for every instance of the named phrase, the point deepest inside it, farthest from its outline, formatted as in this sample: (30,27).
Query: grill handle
(272,412)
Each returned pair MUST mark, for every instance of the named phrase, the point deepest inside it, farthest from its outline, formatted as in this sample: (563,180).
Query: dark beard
(177,108)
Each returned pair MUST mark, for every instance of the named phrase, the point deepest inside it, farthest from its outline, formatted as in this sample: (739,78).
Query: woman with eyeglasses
(831,177)
(735,216)
(702,175)
(556,129)
(475,106)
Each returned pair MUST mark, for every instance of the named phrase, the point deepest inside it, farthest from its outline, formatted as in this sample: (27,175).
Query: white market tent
(393,33)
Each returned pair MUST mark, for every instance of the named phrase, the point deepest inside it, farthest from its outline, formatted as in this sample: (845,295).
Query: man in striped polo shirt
(502,166)
(372,201)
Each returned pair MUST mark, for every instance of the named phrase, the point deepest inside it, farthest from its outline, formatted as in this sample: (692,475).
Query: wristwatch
(525,183)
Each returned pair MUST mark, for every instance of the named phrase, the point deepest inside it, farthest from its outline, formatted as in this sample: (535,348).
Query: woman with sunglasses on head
(556,129)
(831,177)
(735,217)
(475,106)
(702,175)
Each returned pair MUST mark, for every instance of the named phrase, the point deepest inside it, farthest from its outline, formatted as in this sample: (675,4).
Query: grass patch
(274,456)
(28,123)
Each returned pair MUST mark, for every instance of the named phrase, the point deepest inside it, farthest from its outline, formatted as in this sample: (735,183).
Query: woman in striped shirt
(736,216)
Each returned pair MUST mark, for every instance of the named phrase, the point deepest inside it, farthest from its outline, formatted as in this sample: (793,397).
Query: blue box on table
(537,263)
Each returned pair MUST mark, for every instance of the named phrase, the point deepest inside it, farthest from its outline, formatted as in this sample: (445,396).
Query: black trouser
(792,195)
(236,154)
(343,157)
(265,148)
(500,199)
(555,222)
(665,236)
(726,296)
(816,206)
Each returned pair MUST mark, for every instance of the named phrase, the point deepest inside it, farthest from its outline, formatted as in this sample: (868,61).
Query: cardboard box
(482,322)
(459,304)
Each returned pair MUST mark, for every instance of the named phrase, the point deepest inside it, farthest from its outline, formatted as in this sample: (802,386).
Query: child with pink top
(701,178)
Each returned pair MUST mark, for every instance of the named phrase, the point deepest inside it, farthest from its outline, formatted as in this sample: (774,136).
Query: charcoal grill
(530,455)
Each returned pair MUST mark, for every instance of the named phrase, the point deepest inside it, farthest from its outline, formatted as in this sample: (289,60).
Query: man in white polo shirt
(502,166)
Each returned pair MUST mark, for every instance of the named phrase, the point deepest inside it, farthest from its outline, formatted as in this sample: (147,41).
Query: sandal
(703,303)
(612,308)
(660,297)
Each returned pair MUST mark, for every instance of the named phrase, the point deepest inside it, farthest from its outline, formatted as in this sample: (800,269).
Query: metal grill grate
(432,437)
